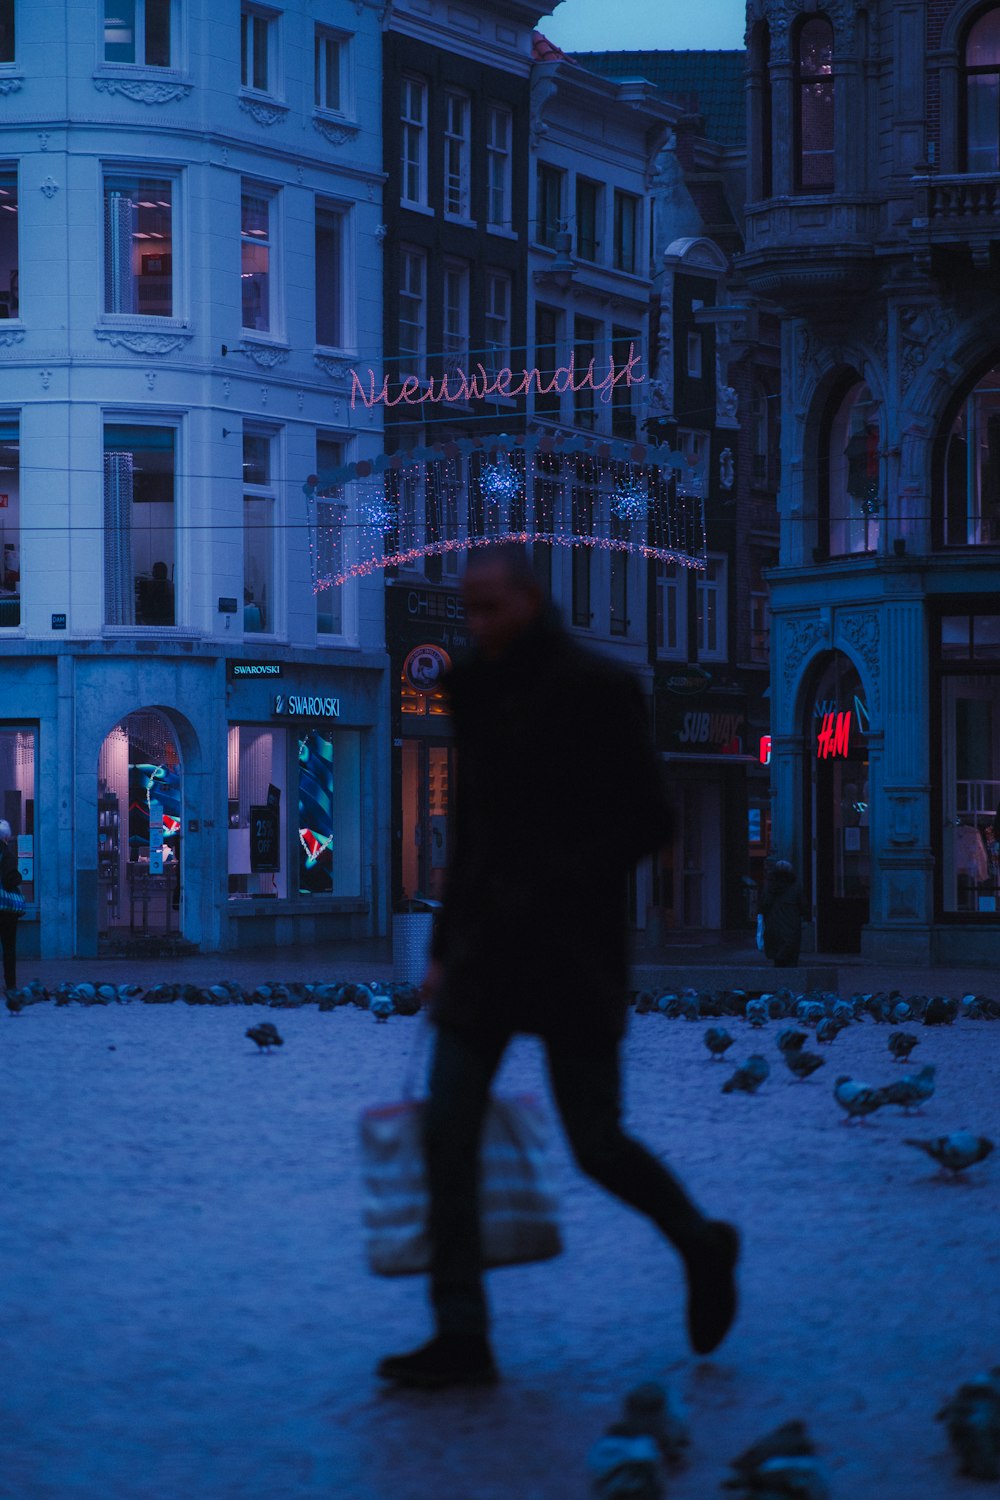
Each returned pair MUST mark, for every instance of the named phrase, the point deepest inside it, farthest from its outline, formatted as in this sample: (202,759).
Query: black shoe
(712,1286)
(449,1359)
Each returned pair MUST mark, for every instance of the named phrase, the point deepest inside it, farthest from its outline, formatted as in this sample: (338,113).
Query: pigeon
(790,1040)
(902,1043)
(910,1091)
(625,1468)
(644,1002)
(717,1039)
(856,1099)
(972,1417)
(757,1013)
(650,1411)
(810,1012)
(381,1007)
(843,1011)
(748,1076)
(827,1030)
(803,1063)
(955,1152)
(265,1035)
(790,1440)
(15,1002)
(785,1478)
(901,1011)
(940,1012)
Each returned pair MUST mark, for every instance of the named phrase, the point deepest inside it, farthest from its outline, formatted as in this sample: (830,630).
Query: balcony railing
(943,200)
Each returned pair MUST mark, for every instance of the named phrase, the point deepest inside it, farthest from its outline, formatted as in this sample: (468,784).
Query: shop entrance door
(838,807)
(426,799)
(139,831)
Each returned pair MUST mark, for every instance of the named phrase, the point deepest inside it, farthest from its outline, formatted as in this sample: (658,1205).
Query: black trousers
(8,939)
(586,1084)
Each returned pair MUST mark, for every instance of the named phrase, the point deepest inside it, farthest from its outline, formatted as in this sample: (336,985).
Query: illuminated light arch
(477,492)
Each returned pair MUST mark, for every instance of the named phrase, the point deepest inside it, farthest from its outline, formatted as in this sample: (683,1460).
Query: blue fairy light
(630,501)
(500,481)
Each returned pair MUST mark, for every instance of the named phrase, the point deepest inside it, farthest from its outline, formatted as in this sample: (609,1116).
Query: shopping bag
(11,901)
(760,931)
(518,1207)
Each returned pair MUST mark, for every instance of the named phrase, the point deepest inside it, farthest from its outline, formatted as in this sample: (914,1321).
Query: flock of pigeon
(381,999)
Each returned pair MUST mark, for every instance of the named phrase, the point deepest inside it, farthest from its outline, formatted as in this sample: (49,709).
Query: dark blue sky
(601,25)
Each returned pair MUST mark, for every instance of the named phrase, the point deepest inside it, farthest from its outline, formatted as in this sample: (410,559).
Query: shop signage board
(250,671)
(265,838)
(305,706)
(425,666)
(712,724)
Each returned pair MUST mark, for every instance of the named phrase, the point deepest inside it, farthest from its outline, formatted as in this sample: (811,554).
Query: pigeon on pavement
(972,1417)
(717,1039)
(803,1063)
(856,1099)
(650,1411)
(955,1152)
(828,1029)
(265,1035)
(748,1076)
(791,1040)
(902,1043)
(910,1091)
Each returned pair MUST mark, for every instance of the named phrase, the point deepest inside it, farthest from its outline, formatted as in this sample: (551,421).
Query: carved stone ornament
(49,187)
(337,132)
(800,636)
(920,328)
(336,368)
(139,341)
(862,632)
(263,112)
(143,90)
(264,356)
(10,85)
(542,90)
(9,336)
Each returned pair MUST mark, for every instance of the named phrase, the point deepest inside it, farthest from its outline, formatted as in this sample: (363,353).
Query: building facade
(191,739)
(873,224)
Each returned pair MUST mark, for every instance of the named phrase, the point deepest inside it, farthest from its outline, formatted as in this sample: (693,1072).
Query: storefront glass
(258,756)
(10,522)
(17,799)
(329,812)
(139,823)
(837,745)
(970,762)
(972,468)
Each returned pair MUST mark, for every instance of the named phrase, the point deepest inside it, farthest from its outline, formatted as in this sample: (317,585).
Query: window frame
(252,187)
(412,128)
(677,583)
(10,170)
(593,243)
(498,352)
(501,154)
(11,61)
(625,259)
(412,255)
(585,349)
(153,422)
(28,728)
(548,179)
(336,501)
(455,335)
(250,11)
(140,36)
(715,587)
(156,175)
(457,143)
(340,213)
(11,576)
(268,492)
(801,81)
(323,36)
(978,70)
(549,403)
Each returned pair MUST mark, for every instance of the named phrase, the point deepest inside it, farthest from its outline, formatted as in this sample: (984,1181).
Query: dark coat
(10,874)
(783,907)
(558,793)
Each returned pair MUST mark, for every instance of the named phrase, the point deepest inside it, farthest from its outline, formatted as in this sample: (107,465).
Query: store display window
(329,812)
(17,799)
(258,757)
(970,762)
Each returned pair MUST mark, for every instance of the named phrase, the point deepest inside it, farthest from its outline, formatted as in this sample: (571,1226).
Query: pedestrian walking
(558,794)
(783,908)
(10,880)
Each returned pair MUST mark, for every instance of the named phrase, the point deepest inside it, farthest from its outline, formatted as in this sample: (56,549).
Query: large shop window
(854,473)
(139,527)
(17,799)
(982,94)
(838,815)
(137,31)
(815,106)
(138,245)
(10,297)
(258,533)
(10,522)
(972,468)
(258,761)
(970,762)
(329,812)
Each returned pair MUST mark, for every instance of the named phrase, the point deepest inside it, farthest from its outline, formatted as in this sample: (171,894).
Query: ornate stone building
(873,224)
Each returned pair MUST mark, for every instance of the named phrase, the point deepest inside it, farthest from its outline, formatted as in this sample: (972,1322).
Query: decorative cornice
(10,84)
(141,341)
(143,90)
(800,636)
(337,132)
(9,336)
(266,356)
(331,365)
(862,632)
(263,111)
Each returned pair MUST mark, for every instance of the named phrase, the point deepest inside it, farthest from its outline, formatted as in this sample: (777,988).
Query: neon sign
(478,387)
(764,752)
(834,735)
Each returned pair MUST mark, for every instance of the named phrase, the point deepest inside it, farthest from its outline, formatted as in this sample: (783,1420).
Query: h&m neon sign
(834,737)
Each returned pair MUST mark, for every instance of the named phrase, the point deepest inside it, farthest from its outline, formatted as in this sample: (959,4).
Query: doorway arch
(139,823)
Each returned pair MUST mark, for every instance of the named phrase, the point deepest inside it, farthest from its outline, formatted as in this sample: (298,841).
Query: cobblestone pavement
(188,1316)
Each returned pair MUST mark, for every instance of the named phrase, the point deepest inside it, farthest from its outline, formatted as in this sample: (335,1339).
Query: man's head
(502,596)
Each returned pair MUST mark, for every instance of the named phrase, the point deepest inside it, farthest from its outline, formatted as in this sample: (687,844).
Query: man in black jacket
(558,794)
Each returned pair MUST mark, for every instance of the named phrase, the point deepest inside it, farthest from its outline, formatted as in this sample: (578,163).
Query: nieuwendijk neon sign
(415,392)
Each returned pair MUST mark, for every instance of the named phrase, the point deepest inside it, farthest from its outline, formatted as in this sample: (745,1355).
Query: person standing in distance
(10,879)
(558,794)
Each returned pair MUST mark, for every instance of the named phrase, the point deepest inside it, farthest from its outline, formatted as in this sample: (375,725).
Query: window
(970,768)
(710,605)
(760,72)
(456,317)
(329,812)
(760,435)
(456,155)
(496,321)
(498,156)
(10,305)
(694,447)
(10,522)
(329,62)
(815,99)
(139,528)
(255,257)
(760,613)
(547,402)
(258,762)
(257,46)
(626,232)
(623,421)
(972,468)
(138,245)
(982,94)
(854,473)
(413,140)
(548,206)
(585,336)
(582,557)
(137,31)
(258,533)
(329,275)
(17,799)
(331,518)
(671,610)
(587,201)
(412,311)
(694,356)
(7,31)
(618,580)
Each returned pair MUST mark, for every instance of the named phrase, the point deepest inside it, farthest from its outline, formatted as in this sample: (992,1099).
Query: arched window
(972,468)
(982,94)
(852,472)
(814,106)
(760,68)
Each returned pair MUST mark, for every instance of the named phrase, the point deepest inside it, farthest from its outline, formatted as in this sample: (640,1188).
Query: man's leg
(461,1072)
(8,938)
(587,1088)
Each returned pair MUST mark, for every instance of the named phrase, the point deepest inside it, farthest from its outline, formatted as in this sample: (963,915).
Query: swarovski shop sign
(304,706)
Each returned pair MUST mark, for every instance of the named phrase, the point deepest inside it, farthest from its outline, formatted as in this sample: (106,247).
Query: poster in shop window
(265,849)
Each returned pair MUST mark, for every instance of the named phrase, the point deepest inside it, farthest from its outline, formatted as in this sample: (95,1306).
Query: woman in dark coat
(10,879)
(783,909)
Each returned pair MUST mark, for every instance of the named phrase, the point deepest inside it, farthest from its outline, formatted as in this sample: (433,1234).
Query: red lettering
(834,736)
